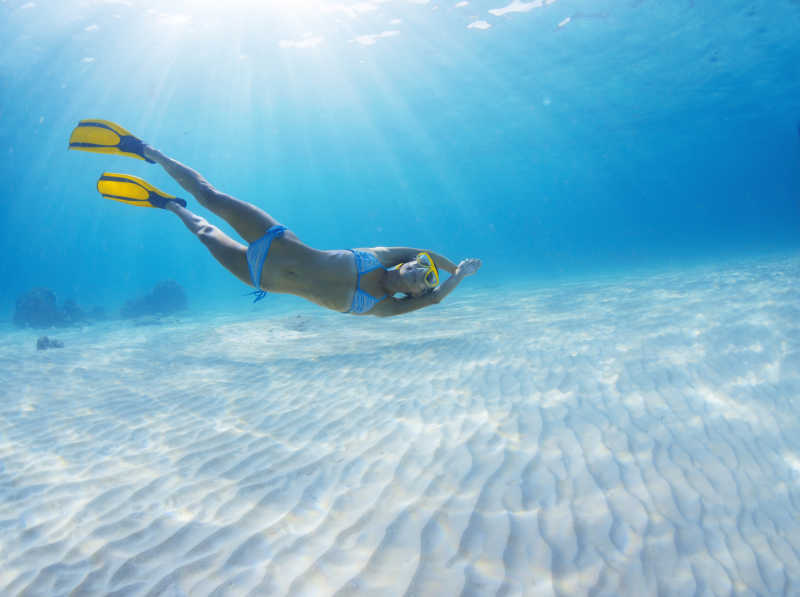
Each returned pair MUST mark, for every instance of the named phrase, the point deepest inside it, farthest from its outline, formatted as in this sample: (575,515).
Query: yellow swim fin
(103,136)
(134,191)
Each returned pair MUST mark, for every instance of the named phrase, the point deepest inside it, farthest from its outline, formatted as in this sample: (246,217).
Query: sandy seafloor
(629,436)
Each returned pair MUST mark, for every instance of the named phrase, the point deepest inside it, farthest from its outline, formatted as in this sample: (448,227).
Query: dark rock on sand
(38,309)
(166,298)
(44,343)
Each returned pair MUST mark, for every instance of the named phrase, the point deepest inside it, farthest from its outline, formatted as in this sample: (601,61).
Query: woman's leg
(232,255)
(249,221)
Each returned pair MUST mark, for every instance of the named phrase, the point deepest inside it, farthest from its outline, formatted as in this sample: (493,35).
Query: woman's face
(413,276)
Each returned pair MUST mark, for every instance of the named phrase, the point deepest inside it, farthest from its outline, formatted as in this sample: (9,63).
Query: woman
(361,281)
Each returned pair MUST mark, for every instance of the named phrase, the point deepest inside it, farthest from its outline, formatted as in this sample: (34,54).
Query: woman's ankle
(152,153)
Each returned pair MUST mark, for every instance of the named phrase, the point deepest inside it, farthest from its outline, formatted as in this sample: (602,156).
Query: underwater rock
(38,309)
(72,313)
(44,343)
(166,298)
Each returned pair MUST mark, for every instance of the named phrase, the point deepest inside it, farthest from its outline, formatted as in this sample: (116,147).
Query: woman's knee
(208,233)
(205,193)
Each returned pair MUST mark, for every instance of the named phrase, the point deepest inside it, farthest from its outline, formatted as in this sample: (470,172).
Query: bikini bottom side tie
(256,256)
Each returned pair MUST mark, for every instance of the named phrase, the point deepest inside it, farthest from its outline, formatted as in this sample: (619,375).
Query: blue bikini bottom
(256,256)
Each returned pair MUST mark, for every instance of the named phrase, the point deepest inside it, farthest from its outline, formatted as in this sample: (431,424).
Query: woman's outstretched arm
(390,256)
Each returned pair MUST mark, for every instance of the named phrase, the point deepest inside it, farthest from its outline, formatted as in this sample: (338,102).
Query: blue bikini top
(362,300)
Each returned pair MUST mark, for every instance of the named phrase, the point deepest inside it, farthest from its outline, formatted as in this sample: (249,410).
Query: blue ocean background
(575,139)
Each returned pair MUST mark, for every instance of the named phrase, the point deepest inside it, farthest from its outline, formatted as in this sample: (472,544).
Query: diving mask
(431,273)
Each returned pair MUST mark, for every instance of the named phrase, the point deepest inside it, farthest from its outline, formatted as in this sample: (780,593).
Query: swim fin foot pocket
(104,136)
(134,191)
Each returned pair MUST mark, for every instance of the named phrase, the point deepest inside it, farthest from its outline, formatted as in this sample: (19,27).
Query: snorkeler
(361,281)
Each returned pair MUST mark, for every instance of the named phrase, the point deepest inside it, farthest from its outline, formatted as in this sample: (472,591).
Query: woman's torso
(327,278)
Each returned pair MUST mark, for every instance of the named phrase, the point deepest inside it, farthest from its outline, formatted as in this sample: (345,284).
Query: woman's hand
(468,267)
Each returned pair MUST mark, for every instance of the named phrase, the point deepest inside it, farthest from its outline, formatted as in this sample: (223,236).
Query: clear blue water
(633,135)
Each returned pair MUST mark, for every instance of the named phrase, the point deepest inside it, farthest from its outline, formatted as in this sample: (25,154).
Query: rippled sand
(618,437)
